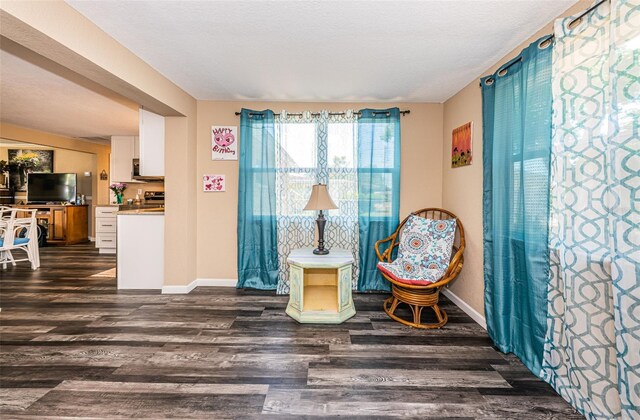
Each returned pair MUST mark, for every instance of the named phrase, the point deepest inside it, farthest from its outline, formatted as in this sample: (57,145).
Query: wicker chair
(420,296)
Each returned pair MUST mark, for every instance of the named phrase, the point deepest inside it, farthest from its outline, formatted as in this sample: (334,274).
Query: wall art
(461,146)
(224,142)
(213,183)
(24,161)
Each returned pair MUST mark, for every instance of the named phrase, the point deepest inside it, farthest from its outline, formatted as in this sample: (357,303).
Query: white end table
(320,286)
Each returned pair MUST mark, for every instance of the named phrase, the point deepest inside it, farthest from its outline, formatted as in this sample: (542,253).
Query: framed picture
(24,161)
(462,146)
(224,142)
(213,183)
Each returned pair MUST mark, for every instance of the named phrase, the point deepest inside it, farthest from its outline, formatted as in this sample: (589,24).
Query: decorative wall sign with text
(224,142)
(461,146)
(213,183)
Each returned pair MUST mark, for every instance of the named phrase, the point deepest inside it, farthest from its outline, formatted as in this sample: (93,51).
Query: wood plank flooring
(74,346)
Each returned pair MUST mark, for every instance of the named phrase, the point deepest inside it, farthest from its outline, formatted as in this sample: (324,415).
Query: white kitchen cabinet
(140,254)
(151,144)
(123,150)
(106,229)
(136,147)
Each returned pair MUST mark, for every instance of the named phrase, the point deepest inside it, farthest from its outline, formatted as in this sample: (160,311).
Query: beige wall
(180,209)
(421,173)
(71,155)
(462,187)
(99,189)
(64,161)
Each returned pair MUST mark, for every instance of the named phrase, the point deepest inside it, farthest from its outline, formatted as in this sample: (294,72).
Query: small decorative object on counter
(118,190)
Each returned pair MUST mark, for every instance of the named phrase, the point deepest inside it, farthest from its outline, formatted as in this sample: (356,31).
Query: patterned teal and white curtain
(313,149)
(592,346)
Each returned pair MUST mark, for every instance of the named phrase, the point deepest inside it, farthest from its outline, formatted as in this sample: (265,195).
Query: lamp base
(322,251)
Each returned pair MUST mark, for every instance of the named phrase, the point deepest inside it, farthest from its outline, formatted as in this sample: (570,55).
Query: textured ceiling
(422,51)
(39,94)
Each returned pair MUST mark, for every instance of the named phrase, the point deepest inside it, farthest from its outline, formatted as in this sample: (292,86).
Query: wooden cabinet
(151,144)
(66,225)
(320,286)
(57,224)
(6,196)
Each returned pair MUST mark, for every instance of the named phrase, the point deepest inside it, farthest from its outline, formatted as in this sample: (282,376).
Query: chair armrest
(455,264)
(386,255)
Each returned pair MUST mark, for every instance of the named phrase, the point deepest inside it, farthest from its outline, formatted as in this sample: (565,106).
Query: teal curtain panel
(378,188)
(516,109)
(257,226)
(592,348)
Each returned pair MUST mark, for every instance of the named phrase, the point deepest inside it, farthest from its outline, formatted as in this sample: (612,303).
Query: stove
(154,197)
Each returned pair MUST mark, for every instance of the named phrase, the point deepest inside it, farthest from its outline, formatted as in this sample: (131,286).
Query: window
(311,151)
(308,153)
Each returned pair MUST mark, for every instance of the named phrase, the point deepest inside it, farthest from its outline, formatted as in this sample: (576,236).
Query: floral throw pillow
(425,246)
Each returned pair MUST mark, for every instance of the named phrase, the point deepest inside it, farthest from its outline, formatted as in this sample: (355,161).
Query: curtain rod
(547,41)
(317,114)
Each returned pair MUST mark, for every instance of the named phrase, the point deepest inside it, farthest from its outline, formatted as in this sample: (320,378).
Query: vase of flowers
(118,190)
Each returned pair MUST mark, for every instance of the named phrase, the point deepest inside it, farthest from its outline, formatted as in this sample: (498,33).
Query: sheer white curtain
(314,149)
(592,348)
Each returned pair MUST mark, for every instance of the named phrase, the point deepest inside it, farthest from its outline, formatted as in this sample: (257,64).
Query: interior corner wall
(58,32)
(421,173)
(180,206)
(462,187)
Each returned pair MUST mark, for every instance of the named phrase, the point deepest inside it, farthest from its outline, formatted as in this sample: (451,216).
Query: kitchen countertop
(138,206)
(148,211)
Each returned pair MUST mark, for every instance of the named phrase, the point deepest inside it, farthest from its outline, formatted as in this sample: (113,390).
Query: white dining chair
(19,231)
(7,216)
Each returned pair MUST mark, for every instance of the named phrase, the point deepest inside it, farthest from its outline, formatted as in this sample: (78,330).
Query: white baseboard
(217,282)
(179,289)
(475,315)
(184,289)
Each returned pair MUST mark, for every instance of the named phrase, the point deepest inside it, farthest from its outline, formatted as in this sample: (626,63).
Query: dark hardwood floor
(74,346)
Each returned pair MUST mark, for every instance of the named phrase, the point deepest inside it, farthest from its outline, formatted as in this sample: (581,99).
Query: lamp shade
(320,199)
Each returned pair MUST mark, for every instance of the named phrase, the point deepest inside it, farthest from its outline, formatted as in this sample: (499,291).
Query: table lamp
(320,200)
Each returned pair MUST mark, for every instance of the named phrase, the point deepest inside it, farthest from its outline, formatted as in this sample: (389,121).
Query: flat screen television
(46,188)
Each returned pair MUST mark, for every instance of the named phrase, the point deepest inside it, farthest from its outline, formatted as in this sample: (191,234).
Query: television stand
(66,224)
